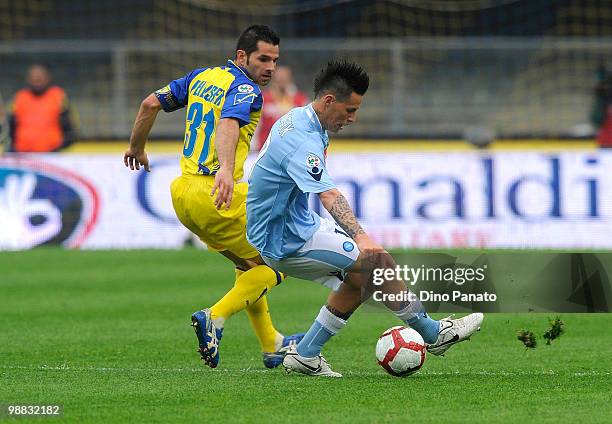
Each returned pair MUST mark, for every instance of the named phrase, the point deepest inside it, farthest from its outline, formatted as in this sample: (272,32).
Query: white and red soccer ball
(400,351)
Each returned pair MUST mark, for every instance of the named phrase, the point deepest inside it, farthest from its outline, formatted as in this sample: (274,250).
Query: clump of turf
(528,338)
(555,331)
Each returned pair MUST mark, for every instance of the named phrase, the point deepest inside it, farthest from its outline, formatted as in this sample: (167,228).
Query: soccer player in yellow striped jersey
(211,94)
(223,105)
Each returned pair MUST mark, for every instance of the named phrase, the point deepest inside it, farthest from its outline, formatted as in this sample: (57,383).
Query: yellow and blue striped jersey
(211,94)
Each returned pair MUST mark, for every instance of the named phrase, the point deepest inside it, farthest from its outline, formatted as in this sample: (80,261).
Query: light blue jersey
(290,165)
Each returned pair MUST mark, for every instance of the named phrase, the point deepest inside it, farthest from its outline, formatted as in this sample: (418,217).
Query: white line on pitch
(66,367)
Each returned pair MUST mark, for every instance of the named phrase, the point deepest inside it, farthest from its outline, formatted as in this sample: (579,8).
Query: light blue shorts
(324,258)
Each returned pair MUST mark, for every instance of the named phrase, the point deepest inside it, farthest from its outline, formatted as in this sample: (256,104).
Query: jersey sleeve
(242,98)
(306,167)
(174,96)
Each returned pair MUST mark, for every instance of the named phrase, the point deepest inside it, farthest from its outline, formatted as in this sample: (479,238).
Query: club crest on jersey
(314,163)
(245,88)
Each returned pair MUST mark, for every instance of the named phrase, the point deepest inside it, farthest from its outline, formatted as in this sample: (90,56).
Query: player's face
(338,114)
(38,78)
(262,62)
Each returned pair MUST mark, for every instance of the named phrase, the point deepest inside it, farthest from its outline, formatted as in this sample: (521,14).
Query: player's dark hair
(250,36)
(341,78)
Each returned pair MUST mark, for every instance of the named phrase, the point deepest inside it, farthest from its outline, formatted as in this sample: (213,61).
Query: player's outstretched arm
(339,208)
(135,155)
(226,140)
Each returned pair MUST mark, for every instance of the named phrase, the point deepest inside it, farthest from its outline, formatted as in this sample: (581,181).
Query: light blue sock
(428,328)
(313,341)
(325,326)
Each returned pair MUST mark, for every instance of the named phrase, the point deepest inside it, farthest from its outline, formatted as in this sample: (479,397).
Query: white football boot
(453,331)
(316,366)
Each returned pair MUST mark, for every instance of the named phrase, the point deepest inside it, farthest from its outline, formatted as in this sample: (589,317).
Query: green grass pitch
(107,335)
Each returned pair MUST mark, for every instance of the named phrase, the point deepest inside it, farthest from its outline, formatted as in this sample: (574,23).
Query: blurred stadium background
(440,70)
(521,68)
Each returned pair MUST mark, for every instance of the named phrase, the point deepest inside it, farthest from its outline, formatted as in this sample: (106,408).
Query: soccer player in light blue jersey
(338,253)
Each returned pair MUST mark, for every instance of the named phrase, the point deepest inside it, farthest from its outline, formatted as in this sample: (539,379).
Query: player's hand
(134,160)
(371,250)
(224,183)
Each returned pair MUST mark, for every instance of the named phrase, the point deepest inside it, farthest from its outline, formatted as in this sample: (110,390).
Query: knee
(385,260)
(353,282)
(253,262)
(261,275)
(367,263)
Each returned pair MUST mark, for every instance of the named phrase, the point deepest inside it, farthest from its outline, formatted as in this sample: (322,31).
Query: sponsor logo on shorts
(348,246)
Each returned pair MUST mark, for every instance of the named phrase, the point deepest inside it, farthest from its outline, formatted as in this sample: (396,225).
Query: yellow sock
(261,320)
(249,287)
(259,315)
(249,293)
